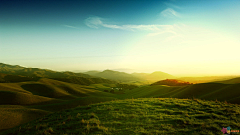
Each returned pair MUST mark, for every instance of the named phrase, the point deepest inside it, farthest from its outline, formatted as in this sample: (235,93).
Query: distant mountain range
(125,77)
(13,73)
(155,76)
(91,77)
(10,73)
(114,75)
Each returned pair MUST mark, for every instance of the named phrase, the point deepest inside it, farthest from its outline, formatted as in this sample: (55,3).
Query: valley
(27,95)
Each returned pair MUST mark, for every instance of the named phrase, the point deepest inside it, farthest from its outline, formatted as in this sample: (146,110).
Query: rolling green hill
(14,115)
(7,67)
(30,93)
(230,81)
(20,98)
(151,91)
(5,78)
(207,91)
(138,116)
(171,82)
(205,79)
(25,101)
(92,72)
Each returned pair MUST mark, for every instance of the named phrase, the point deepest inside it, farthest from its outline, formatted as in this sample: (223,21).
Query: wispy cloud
(170,13)
(174,30)
(97,22)
(94,22)
(70,26)
(169,32)
(172,5)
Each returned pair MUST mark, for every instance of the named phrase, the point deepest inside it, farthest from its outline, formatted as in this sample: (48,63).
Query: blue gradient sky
(178,37)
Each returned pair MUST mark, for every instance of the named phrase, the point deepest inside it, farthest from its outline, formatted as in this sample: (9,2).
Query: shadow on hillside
(72,91)
(19,98)
(64,92)
(39,89)
(16,78)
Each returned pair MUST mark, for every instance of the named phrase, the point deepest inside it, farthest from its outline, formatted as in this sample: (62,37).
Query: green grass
(231,81)
(34,99)
(44,95)
(20,98)
(151,91)
(14,115)
(207,91)
(138,116)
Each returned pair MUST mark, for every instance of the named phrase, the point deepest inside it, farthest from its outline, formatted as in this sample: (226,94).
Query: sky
(179,37)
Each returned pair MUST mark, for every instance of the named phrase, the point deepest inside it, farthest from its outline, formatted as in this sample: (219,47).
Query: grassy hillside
(150,91)
(13,115)
(38,92)
(19,98)
(25,101)
(230,81)
(10,67)
(171,82)
(92,72)
(205,79)
(5,78)
(49,88)
(139,116)
(208,91)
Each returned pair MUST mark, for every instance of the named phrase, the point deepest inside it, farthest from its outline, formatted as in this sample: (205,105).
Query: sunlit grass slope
(206,79)
(139,116)
(211,91)
(150,91)
(208,91)
(231,81)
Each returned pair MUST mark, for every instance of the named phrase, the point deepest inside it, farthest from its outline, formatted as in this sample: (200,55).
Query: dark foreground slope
(139,116)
